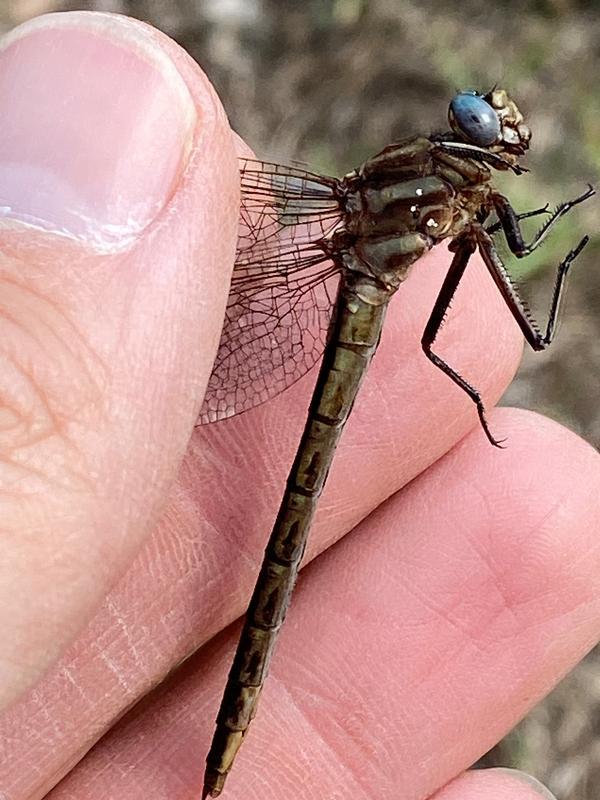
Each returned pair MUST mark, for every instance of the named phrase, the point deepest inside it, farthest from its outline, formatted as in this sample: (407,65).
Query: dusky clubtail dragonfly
(317,263)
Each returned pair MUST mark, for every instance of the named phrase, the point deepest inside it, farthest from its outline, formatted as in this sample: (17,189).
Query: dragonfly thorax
(405,200)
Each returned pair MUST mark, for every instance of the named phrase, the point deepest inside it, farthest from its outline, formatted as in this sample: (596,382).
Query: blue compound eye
(474,119)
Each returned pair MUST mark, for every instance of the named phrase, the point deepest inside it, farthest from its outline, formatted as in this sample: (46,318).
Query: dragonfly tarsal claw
(499,443)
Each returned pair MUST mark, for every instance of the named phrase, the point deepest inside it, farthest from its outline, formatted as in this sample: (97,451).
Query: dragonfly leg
(464,251)
(471,151)
(534,337)
(509,221)
(496,226)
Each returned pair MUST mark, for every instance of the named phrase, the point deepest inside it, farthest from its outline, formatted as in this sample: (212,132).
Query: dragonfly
(318,261)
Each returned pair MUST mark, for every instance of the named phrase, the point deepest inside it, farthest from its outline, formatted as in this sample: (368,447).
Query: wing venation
(283,287)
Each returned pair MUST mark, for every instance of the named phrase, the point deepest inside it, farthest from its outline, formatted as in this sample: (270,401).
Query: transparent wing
(283,288)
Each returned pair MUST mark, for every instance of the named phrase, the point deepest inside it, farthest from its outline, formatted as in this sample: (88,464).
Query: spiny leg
(480,154)
(535,338)
(465,250)
(496,226)
(509,221)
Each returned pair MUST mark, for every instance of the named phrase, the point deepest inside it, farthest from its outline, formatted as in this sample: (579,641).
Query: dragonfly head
(491,121)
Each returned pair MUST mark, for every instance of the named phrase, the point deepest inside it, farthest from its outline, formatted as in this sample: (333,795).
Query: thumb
(118,216)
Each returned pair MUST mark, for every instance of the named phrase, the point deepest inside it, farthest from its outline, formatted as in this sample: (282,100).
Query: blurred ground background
(332,81)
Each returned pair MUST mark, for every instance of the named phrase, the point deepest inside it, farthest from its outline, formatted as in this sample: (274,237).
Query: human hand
(411,647)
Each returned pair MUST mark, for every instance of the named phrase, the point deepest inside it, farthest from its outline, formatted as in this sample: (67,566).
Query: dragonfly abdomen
(354,338)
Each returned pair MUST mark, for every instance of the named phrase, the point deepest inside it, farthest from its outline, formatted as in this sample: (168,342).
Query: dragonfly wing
(283,288)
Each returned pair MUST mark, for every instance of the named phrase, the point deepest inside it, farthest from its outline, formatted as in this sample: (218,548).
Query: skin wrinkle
(443,612)
(244,551)
(341,723)
(536,527)
(26,471)
(339,752)
(339,714)
(575,559)
(67,672)
(233,534)
(124,628)
(56,426)
(445,616)
(43,404)
(72,333)
(470,638)
(45,301)
(152,680)
(509,603)
(279,688)
(28,421)
(333,508)
(78,482)
(444,658)
(119,675)
(485,561)
(182,579)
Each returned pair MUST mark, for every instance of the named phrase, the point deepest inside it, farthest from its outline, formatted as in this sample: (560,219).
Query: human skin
(131,539)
